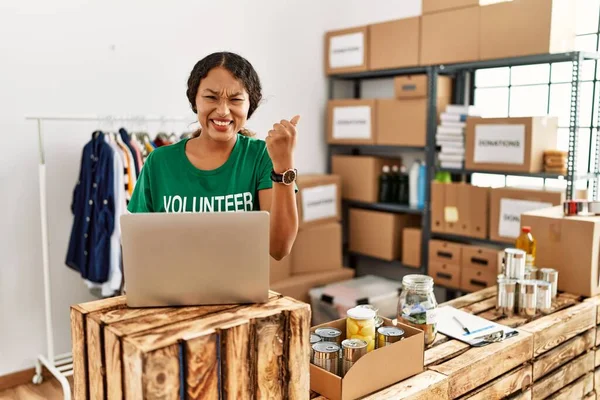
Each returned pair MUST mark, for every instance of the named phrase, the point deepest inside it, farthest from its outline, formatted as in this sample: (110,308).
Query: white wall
(109,57)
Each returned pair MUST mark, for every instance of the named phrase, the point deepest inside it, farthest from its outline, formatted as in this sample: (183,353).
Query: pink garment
(138,153)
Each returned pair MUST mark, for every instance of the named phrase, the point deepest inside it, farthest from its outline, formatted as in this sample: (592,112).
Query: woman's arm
(281,204)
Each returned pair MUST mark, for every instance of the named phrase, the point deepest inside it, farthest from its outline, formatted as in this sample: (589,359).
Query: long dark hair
(239,67)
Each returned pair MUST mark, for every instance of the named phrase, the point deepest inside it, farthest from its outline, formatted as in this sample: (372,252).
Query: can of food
(514,263)
(544,297)
(527,298)
(506,295)
(551,276)
(329,334)
(378,319)
(314,338)
(531,273)
(575,207)
(388,335)
(352,350)
(327,356)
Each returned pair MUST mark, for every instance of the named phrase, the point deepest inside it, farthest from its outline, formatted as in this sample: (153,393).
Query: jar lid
(361,313)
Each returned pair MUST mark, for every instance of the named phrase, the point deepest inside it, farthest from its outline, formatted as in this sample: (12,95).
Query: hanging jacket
(93,209)
(127,141)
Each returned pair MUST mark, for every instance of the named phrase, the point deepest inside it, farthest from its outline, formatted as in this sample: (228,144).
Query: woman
(222,168)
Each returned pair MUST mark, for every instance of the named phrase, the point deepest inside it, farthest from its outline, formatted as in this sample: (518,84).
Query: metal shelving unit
(464,91)
(387,207)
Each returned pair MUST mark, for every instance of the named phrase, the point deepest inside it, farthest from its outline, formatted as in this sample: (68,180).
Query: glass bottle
(403,186)
(528,244)
(360,324)
(385,183)
(395,184)
(417,305)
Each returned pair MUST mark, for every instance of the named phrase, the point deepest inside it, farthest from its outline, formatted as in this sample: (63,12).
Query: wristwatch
(287,177)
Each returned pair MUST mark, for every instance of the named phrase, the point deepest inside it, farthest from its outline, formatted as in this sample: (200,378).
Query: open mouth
(221,124)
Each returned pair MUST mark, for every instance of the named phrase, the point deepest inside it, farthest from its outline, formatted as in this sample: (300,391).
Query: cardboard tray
(372,372)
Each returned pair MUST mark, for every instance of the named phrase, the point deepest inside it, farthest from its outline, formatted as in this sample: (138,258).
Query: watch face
(289,176)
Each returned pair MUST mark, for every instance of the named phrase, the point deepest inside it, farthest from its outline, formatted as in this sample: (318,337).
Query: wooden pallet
(231,352)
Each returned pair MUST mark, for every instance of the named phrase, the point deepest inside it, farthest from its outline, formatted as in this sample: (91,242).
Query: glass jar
(378,319)
(417,305)
(360,324)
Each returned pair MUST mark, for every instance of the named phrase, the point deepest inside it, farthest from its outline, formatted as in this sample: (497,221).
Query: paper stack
(451,135)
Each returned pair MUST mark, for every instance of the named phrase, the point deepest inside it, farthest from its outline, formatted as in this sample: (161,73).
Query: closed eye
(237,99)
(210,97)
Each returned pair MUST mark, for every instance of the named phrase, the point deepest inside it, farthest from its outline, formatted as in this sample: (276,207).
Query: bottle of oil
(385,185)
(528,244)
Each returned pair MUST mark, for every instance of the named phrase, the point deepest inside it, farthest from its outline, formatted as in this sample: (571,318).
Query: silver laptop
(181,259)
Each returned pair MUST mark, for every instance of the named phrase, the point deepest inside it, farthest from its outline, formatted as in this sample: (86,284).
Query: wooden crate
(258,350)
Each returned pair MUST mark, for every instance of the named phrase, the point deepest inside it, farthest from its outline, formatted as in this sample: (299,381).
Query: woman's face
(222,104)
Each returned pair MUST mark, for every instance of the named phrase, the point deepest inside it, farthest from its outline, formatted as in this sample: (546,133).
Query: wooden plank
(576,390)
(472,298)
(481,306)
(597,379)
(490,315)
(95,355)
(598,336)
(114,367)
(505,385)
(514,322)
(298,353)
(428,385)
(526,395)
(202,379)
(477,366)
(597,358)
(563,376)
(552,330)
(562,354)
(591,395)
(596,301)
(271,382)
(160,379)
(79,346)
(236,362)
(439,339)
(104,304)
(133,364)
(445,351)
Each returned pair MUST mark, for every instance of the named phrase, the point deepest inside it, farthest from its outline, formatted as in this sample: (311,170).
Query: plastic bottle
(395,184)
(403,186)
(528,244)
(385,185)
(413,184)
(421,183)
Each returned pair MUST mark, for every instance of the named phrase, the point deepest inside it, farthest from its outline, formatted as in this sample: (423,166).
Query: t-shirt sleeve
(141,199)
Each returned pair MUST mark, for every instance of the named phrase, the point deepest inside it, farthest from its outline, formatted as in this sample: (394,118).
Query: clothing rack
(61,366)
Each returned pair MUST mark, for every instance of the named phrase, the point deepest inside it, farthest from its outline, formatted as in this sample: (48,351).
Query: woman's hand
(281,142)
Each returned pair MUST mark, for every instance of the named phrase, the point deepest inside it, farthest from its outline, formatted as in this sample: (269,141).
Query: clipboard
(481,332)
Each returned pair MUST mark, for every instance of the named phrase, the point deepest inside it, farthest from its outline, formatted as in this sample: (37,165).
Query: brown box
(507,205)
(346,50)
(415,86)
(479,210)
(450,36)
(474,279)
(404,122)
(447,275)
(452,217)
(379,234)
(394,44)
(509,144)
(280,270)
(526,27)
(360,175)
(319,199)
(351,121)
(571,245)
(374,365)
(482,258)
(299,286)
(431,6)
(317,249)
(438,201)
(444,252)
(411,247)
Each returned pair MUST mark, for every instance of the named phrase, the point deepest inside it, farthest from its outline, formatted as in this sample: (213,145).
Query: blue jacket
(93,208)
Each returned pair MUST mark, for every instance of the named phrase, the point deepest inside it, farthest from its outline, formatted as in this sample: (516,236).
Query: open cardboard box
(406,356)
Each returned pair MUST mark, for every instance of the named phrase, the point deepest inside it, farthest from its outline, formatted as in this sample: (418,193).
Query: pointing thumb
(294,121)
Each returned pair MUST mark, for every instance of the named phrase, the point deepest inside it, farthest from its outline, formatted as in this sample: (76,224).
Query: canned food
(327,356)
(531,273)
(506,296)
(527,298)
(514,263)
(388,335)
(352,351)
(329,334)
(551,276)
(313,339)
(544,297)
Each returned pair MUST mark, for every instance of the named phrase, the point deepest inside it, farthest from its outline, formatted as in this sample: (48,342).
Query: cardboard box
(452,217)
(394,44)
(299,286)
(280,270)
(431,6)
(319,199)
(527,27)
(351,121)
(404,122)
(374,365)
(474,279)
(507,205)
(446,275)
(450,36)
(411,247)
(571,245)
(379,234)
(415,86)
(445,252)
(346,50)
(317,248)
(360,175)
(484,259)
(438,201)
(473,211)
(509,144)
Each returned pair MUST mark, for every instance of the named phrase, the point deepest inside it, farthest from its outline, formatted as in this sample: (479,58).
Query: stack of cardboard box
(316,258)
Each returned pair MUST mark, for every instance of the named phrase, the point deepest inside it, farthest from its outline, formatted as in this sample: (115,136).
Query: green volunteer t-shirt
(169,182)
